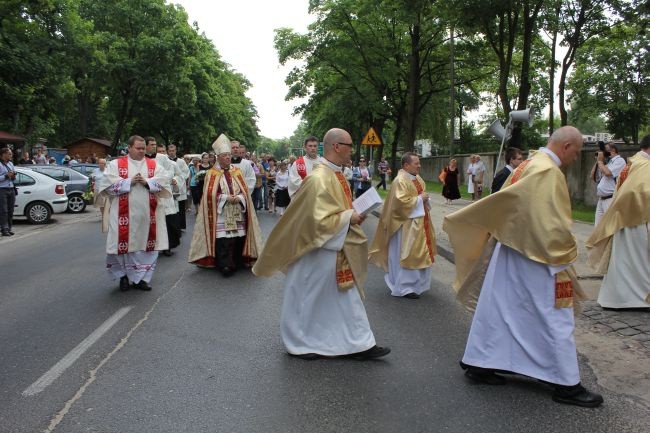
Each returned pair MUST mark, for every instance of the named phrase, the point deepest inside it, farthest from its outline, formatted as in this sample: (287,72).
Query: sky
(242,32)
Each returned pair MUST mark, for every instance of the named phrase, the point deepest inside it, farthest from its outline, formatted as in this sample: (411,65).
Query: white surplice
(316,316)
(137,263)
(247,171)
(516,326)
(402,281)
(294,178)
(627,282)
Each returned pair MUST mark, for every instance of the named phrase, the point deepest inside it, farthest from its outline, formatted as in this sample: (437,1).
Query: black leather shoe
(168,253)
(124,283)
(11,233)
(142,285)
(307,356)
(6,233)
(482,375)
(227,271)
(372,353)
(411,296)
(576,395)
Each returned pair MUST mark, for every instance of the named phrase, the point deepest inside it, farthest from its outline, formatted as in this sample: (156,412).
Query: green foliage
(612,77)
(72,68)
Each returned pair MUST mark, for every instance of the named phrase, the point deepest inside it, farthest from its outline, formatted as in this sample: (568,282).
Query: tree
(580,20)
(612,76)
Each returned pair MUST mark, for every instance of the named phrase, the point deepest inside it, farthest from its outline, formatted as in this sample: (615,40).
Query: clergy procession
(514,249)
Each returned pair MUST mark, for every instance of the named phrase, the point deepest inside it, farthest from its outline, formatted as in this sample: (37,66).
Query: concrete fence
(581,187)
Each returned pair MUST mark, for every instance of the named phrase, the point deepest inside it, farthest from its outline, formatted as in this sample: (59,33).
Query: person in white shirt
(98,173)
(282,198)
(246,166)
(606,172)
(304,164)
(470,174)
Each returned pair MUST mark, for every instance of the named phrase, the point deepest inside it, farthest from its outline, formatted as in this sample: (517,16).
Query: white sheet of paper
(367,201)
(418,210)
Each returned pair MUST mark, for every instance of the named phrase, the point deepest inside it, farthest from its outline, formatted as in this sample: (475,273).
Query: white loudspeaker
(497,129)
(525,116)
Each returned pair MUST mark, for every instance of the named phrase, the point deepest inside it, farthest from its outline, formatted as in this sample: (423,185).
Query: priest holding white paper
(321,247)
(405,242)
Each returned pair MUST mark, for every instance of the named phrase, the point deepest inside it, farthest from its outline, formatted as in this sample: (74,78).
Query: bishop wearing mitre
(226,234)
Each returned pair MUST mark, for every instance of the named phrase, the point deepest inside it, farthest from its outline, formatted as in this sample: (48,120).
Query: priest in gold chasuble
(619,247)
(226,234)
(514,251)
(405,242)
(321,247)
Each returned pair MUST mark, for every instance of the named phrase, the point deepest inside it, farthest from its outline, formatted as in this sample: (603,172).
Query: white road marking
(53,373)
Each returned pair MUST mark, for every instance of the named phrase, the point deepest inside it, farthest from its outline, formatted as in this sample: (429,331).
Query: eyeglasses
(347,144)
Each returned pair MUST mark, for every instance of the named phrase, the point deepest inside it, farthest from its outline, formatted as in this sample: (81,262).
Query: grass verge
(580,211)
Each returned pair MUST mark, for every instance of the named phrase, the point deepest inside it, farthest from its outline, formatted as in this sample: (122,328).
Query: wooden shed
(14,142)
(87,147)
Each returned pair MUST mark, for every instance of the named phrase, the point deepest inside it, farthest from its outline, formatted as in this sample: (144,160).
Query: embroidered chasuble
(218,219)
(320,209)
(418,239)
(531,214)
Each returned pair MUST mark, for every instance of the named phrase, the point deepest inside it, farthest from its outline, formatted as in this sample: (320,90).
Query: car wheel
(76,204)
(38,213)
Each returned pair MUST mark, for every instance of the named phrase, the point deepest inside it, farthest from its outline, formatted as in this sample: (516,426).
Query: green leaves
(71,68)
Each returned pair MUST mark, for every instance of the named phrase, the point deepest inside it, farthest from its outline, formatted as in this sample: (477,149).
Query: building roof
(101,141)
(7,137)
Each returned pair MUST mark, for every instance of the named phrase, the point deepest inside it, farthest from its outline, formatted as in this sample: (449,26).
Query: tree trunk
(121,118)
(524,77)
(413,92)
(551,75)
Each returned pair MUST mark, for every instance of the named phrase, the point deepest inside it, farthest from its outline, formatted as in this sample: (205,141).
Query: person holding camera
(7,191)
(609,165)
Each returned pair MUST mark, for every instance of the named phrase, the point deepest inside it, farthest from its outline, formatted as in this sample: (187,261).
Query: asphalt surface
(201,353)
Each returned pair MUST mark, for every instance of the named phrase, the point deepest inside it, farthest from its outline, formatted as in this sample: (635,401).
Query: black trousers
(173,230)
(181,215)
(228,253)
(7,203)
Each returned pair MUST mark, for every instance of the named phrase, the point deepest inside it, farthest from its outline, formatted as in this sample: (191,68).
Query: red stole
(301,167)
(427,222)
(123,209)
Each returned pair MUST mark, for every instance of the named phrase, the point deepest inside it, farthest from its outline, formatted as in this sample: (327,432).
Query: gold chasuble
(204,239)
(630,208)
(418,248)
(318,211)
(530,214)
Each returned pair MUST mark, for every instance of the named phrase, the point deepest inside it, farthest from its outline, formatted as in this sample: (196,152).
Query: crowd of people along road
(318,242)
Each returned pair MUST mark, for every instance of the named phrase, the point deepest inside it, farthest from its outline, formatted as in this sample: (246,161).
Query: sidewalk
(632,327)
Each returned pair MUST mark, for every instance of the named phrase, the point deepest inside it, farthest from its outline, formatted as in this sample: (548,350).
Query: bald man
(320,245)
(514,252)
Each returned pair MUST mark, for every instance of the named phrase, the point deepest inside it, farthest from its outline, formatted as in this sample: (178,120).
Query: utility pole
(452,96)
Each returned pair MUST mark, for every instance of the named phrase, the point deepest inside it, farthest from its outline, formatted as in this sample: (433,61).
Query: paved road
(202,354)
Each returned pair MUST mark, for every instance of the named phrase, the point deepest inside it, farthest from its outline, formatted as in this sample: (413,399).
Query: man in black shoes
(374,352)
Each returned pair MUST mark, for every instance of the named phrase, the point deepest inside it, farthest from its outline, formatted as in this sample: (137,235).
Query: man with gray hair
(521,281)
(320,245)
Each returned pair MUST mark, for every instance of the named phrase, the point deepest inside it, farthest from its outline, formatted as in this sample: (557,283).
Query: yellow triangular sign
(371,138)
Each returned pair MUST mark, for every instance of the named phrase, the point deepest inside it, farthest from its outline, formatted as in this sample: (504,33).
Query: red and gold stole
(123,209)
(344,276)
(427,221)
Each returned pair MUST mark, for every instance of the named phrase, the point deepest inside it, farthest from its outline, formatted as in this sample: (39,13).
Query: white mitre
(221,145)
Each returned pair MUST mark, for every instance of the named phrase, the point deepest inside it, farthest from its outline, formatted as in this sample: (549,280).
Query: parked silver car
(39,196)
(76,184)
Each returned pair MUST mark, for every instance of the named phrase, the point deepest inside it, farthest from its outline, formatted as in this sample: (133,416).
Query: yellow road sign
(371,138)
